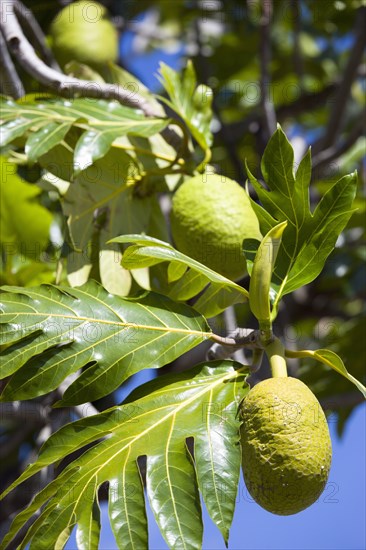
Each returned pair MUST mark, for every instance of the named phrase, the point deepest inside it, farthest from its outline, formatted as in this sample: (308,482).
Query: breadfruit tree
(183,230)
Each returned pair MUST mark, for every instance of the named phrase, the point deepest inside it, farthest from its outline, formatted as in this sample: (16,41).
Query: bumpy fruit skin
(211,216)
(286,446)
(82,32)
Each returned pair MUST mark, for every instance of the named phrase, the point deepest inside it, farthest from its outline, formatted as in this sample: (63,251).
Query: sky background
(337,520)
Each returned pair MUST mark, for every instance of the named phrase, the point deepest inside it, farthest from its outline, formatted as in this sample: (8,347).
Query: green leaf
(155,421)
(24,223)
(175,501)
(59,330)
(101,204)
(176,271)
(49,120)
(41,141)
(88,529)
(148,251)
(127,506)
(331,359)
(94,144)
(191,103)
(260,280)
(309,237)
(113,276)
(16,127)
(216,299)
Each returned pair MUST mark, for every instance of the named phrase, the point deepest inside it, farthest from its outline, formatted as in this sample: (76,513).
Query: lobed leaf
(309,237)
(155,421)
(191,103)
(55,331)
(331,359)
(49,120)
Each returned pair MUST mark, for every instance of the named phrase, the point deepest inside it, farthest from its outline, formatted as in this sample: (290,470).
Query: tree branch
(335,151)
(342,400)
(268,112)
(305,102)
(35,33)
(298,59)
(341,98)
(24,411)
(62,84)
(10,83)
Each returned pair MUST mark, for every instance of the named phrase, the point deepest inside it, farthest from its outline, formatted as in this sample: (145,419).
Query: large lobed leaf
(191,102)
(330,359)
(188,277)
(154,422)
(48,121)
(310,236)
(53,332)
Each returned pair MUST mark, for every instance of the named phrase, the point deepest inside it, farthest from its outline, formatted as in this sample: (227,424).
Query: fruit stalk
(276,356)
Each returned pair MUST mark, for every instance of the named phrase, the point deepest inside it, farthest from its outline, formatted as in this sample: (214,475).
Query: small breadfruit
(286,446)
(83,32)
(211,216)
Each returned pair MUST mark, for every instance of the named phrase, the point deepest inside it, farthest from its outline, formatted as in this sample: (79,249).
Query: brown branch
(298,59)
(342,400)
(65,85)
(305,102)
(268,112)
(24,411)
(334,152)
(10,83)
(35,33)
(338,110)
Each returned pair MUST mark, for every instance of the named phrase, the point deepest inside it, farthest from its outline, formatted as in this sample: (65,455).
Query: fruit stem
(276,356)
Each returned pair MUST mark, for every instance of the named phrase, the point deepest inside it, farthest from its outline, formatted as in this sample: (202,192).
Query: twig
(342,400)
(268,112)
(24,412)
(65,85)
(298,59)
(35,33)
(231,347)
(240,338)
(336,151)
(305,102)
(341,97)
(10,82)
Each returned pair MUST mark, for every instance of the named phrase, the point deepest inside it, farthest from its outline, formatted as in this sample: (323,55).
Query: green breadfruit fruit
(286,446)
(211,216)
(82,32)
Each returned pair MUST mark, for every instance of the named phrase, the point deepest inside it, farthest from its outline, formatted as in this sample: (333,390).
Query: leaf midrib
(102,321)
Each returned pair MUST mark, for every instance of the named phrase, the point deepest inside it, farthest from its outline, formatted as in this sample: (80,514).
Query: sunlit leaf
(155,421)
(331,359)
(189,101)
(310,236)
(55,331)
(147,251)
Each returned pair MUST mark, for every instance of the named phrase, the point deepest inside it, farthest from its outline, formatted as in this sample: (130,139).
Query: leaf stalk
(275,352)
